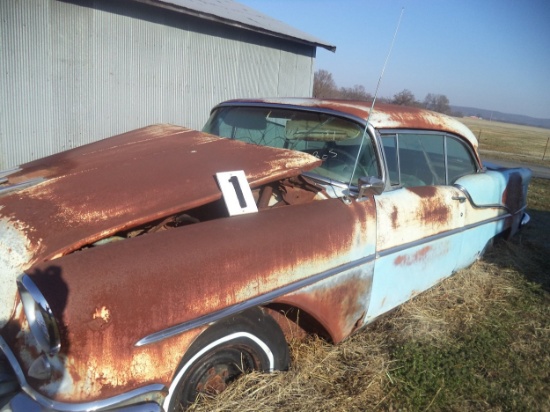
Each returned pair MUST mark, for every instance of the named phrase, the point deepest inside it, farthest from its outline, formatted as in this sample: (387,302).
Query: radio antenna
(375,95)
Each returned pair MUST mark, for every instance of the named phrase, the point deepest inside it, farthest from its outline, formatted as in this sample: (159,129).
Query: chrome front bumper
(17,396)
(24,403)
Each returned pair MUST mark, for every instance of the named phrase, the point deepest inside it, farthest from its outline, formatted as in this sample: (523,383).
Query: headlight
(39,315)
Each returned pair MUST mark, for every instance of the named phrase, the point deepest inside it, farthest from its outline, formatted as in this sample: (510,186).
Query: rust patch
(137,177)
(394,217)
(423,191)
(101,318)
(512,196)
(408,260)
(290,322)
(337,304)
(111,286)
(435,212)
(18,247)
(434,209)
(296,190)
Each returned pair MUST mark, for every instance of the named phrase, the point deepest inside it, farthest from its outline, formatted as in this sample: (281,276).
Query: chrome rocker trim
(270,296)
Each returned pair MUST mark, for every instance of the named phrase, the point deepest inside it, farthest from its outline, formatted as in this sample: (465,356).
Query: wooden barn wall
(76,72)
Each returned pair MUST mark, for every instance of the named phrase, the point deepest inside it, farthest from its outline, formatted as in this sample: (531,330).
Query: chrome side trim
(467,194)
(420,242)
(267,297)
(256,301)
(7,172)
(121,401)
(20,186)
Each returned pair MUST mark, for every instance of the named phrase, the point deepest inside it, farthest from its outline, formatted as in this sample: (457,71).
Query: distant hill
(501,117)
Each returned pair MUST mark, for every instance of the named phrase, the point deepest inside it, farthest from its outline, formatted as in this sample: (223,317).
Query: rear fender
(503,187)
(499,192)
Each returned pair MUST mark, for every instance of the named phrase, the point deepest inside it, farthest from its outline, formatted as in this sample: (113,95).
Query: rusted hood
(96,190)
(104,187)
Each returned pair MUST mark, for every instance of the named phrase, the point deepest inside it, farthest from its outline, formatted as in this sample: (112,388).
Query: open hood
(55,205)
(88,193)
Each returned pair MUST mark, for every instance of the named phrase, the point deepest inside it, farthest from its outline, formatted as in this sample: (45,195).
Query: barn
(76,71)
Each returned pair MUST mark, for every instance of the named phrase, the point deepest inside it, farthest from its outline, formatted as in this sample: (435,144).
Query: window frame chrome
(396,132)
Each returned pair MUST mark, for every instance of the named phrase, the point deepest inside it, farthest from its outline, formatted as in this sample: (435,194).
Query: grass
(478,341)
(492,355)
(511,142)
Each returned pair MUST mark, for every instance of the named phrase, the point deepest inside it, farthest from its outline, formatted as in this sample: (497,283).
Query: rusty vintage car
(143,269)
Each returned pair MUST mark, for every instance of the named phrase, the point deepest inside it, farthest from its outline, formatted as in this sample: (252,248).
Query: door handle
(461,199)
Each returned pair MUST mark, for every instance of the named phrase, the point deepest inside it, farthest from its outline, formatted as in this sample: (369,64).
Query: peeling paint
(137,177)
(408,260)
(237,267)
(339,303)
(342,261)
(16,254)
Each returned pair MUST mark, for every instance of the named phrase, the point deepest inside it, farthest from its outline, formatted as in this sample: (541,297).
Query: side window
(426,159)
(421,159)
(459,160)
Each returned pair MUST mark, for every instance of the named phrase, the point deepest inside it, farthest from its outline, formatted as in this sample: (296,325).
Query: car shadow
(528,252)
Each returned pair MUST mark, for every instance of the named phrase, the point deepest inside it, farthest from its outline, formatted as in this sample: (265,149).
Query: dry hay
(356,374)
(501,300)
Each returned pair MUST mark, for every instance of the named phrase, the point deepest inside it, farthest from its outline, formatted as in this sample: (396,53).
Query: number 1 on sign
(236,191)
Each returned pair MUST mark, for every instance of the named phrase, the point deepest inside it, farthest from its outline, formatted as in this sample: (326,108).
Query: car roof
(384,116)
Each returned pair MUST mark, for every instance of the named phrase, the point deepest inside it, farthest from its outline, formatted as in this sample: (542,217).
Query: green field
(478,341)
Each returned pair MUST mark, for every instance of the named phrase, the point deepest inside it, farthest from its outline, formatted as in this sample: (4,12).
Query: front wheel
(248,341)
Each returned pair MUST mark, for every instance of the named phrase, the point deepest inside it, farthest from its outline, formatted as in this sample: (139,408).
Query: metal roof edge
(208,13)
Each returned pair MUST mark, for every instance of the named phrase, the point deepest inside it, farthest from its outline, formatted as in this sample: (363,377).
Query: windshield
(334,140)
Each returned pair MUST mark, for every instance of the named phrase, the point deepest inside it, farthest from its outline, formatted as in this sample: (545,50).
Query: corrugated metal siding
(73,74)
(25,99)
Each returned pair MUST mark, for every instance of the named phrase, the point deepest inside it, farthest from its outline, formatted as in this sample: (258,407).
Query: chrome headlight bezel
(42,323)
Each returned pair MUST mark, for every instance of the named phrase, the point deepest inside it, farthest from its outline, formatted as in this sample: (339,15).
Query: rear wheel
(248,341)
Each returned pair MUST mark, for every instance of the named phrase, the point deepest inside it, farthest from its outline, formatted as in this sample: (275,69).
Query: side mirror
(370,184)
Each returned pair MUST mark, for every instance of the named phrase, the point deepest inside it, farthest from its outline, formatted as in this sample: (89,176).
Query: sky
(488,54)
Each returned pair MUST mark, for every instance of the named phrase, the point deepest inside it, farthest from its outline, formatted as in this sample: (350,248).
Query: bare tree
(356,92)
(324,86)
(405,98)
(437,103)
